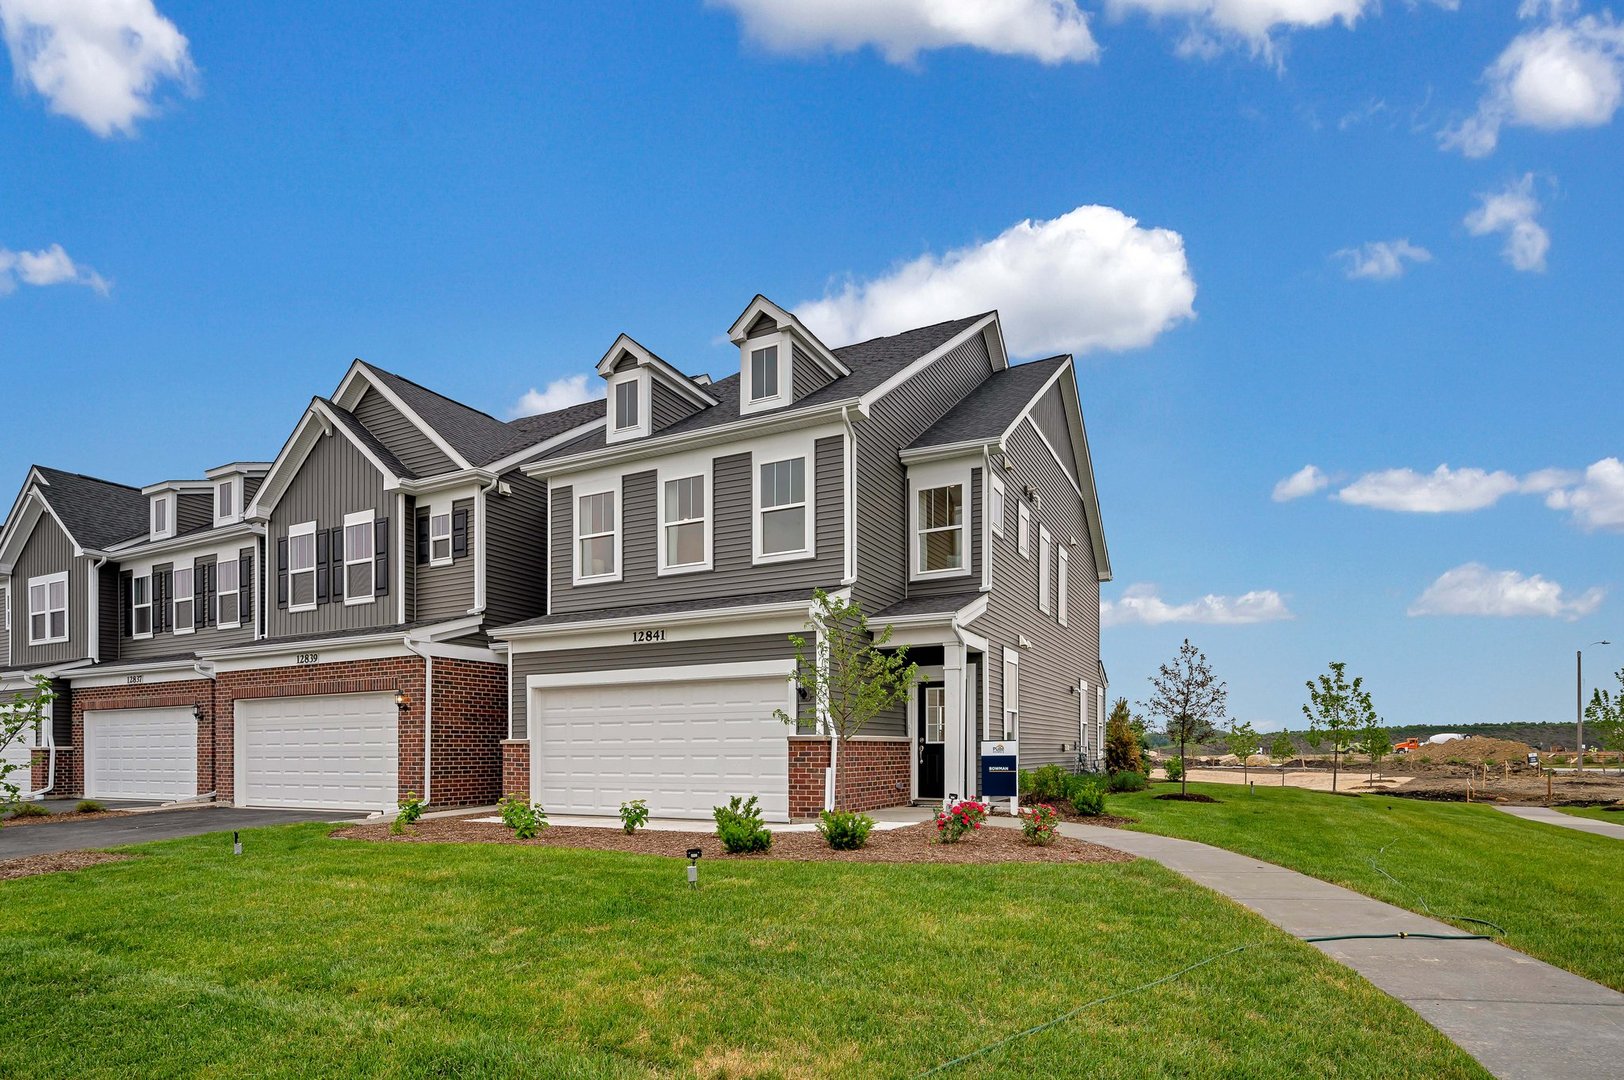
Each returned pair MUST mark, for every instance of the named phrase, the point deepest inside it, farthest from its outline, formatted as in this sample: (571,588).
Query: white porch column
(956,753)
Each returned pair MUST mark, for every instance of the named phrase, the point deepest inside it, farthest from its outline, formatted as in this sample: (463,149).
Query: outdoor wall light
(803,693)
(197,711)
(403,700)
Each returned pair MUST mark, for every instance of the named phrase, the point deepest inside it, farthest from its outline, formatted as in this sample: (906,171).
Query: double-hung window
(302,567)
(141,606)
(228,593)
(683,524)
(440,539)
(360,553)
(941,530)
(997,501)
(181,583)
(225,502)
(596,529)
(48,609)
(1060,584)
(784,524)
(626,404)
(764,373)
(163,517)
(1012,693)
(1045,557)
(1023,531)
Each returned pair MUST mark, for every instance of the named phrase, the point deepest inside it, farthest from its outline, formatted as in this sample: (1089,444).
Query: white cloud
(97,61)
(1512,211)
(48,266)
(1089,279)
(1305,481)
(1442,491)
(1382,260)
(1141,604)
(1474,589)
(1049,31)
(559,394)
(1565,74)
(1213,24)
(1596,501)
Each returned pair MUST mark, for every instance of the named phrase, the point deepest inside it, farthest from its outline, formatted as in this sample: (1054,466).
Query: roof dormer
(232,486)
(780,360)
(644,392)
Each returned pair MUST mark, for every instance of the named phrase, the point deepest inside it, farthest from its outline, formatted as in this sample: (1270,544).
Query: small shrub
(411,808)
(1046,783)
(844,830)
(633,815)
(89,806)
(1086,796)
(1038,823)
(1175,769)
(1127,781)
(526,819)
(740,828)
(29,809)
(959,820)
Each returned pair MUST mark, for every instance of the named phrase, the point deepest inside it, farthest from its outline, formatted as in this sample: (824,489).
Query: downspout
(851,495)
(262,570)
(970,743)
(49,747)
(95,609)
(214,754)
(428,715)
(480,598)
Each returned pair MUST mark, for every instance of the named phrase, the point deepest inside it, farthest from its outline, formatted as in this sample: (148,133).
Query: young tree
(1282,749)
(19,720)
(846,673)
(1337,709)
(1189,699)
(1243,743)
(1604,718)
(1375,742)
(1121,744)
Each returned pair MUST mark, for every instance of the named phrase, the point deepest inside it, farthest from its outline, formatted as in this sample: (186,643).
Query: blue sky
(245,198)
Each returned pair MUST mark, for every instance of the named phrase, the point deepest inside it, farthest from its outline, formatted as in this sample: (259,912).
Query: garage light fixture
(197,711)
(403,700)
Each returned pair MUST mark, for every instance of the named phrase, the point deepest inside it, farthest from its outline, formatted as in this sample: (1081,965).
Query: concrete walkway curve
(1521,1018)
(1546,816)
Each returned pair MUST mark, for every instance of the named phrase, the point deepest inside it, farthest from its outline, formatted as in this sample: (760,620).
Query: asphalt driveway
(38,839)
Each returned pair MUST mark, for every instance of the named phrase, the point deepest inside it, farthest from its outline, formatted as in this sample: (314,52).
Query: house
(946,490)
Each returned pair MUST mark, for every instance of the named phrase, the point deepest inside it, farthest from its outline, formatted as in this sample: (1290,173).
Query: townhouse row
(590,605)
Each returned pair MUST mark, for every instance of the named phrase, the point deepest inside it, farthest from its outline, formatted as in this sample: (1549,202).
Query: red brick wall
(470,721)
(516,768)
(873,774)
(185,694)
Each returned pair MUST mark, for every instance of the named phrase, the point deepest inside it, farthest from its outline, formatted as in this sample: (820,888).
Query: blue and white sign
(999,772)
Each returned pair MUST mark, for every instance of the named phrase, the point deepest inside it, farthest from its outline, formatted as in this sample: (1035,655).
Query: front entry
(931,723)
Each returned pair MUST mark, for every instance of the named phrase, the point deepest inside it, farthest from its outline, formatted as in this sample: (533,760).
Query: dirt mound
(1477,750)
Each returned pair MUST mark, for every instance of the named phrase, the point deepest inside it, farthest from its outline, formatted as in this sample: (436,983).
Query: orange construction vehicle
(1406,746)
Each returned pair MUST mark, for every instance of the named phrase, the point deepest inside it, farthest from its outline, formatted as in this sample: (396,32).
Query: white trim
(750,669)
(770,452)
(435,514)
(220,621)
(995,499)
(304,528)
(1062,584)
(1023,529)
(345,400)
(786,322)
(170,502)
(610,486)
(784,373)
(825,418)
(318,418)
(44,583)
(625,346)
(367,518)
(142,548)
(1045,575)
(668,474)
(713,624)
(929,478)
(1012,662)
(639,378)
(154,674)
(1038,431)
(135,607)
(177,573)
(233,512)
(914,368)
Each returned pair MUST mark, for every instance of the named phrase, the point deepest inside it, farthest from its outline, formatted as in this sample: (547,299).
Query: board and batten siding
(515,551)
(648,655)
(5,634)
(49,551)
(1060,656)
(404,439)
(894,422)
(443,593)
(733,572)
(972,581)
(335,479)
(167,642)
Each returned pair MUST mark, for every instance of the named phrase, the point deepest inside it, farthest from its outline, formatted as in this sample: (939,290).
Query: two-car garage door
(335,752)
(685,739)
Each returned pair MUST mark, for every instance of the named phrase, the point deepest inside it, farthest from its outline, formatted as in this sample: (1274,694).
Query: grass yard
(1600,813)
(314,956)
(1555,891)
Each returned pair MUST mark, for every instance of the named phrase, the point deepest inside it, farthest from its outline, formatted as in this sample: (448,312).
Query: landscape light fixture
(403,700)
(693,866)
(1579,706)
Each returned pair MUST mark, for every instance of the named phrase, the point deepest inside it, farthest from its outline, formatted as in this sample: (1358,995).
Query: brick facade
(874,773)
(187,694)
(516,768)
(470,721)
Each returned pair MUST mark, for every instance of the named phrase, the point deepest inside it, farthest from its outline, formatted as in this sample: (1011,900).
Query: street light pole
(1579,705)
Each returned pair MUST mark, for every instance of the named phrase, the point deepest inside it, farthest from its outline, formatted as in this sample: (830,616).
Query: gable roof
(988,410)
(96,513)
(368,442)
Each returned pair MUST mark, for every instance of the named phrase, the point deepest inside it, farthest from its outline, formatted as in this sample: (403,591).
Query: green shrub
(1127,781)
(29,809)
(1046,783)
(1086,796)
(1175,769)
(411,808)
(524,818)
(740,827)
(89,806)
(844,830)
(633,815)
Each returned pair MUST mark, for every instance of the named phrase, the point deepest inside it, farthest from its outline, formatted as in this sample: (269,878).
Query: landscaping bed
(54,862)
(11,821)
(911,844)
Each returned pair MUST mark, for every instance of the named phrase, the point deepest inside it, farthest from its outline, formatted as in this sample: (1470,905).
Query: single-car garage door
(141,753)
(336,752)
(683,738)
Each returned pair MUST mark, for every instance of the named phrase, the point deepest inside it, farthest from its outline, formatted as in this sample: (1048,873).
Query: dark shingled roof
(871,363)
(655,610)
(943,604)
(370,441)
(530,430)
(988,410)
(97,513)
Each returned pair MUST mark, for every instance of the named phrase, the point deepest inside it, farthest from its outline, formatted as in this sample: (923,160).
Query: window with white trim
(683,523)
(163,516)
(940,530)
(228,593)
(1023,532)
(181,584)
(440,539)
(302,567)
(596,529)
(997,509)
(784,525)
(141,606)
(5,608)
(627,402)
(1045,556)
(48,609)
(1012,693)
(764,373)
(225,502)
(1060,585)
(360,555)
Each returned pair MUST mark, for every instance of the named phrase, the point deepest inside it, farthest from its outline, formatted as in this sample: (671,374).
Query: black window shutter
(245,585)
(160,601)
(282,572)
(459,533)
(336,545)
(126,610)
(380,564)
(200,596)
(321,566)
(422,538)
(211,582)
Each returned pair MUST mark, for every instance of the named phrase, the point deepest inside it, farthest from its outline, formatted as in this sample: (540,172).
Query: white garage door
(683,743)
(20,752)
(141,753)
(326,753)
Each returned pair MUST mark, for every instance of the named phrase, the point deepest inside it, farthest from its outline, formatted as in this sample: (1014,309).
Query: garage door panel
(337,752)
(140,753)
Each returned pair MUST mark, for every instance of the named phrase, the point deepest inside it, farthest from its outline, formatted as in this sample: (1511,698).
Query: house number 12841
(639,636)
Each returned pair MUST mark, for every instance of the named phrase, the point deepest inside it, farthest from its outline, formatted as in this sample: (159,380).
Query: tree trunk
(1336,761)
(1184,773)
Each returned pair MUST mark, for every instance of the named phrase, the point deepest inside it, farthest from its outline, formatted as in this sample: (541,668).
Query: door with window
(931,701)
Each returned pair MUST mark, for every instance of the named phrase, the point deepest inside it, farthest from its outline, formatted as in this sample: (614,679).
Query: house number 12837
(647,635)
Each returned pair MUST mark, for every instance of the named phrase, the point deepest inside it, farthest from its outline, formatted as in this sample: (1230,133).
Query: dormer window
(628,405)
(163,516)
(226,510)
(764,373)
(626,400)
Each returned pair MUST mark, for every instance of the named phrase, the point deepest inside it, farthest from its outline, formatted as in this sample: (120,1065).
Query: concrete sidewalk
(1546,816)
(1519,1017)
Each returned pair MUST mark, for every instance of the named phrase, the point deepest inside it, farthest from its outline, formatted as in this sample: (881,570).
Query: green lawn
(313,956)
(1597,812)
(1555,891)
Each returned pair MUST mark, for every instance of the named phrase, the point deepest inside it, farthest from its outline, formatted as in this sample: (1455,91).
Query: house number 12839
(639,636)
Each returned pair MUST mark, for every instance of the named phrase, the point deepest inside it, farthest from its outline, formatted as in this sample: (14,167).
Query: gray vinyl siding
(515,551)
(5,635)
(107,611)
(403,438)
(732,554)
(1060,656)
(1049,414)
(809,376)
(655,654)
(335,479)
(168,643)
(940,586)
(194,512)
(894,422)
(49,551)
(250,488)
(447,592)
(668,406)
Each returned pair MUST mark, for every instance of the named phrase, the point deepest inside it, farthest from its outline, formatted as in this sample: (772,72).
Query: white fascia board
(460,484)
(141,548)
(568,435)
(966,614)
(188,486)
(21,526)
(707,624)
(242,468)
(928,359)
(169,671)
(644,358)
(1082,459)
(947,451)
(347,398)
(317,422)
(1031,403)
(747,669)
(786,320)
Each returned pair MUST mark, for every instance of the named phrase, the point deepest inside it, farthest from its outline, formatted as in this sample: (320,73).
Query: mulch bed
(74,815)
(1193,796)
(911,844)
(55,862)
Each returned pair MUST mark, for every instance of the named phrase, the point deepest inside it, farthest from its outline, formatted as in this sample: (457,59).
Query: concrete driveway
(38,839)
